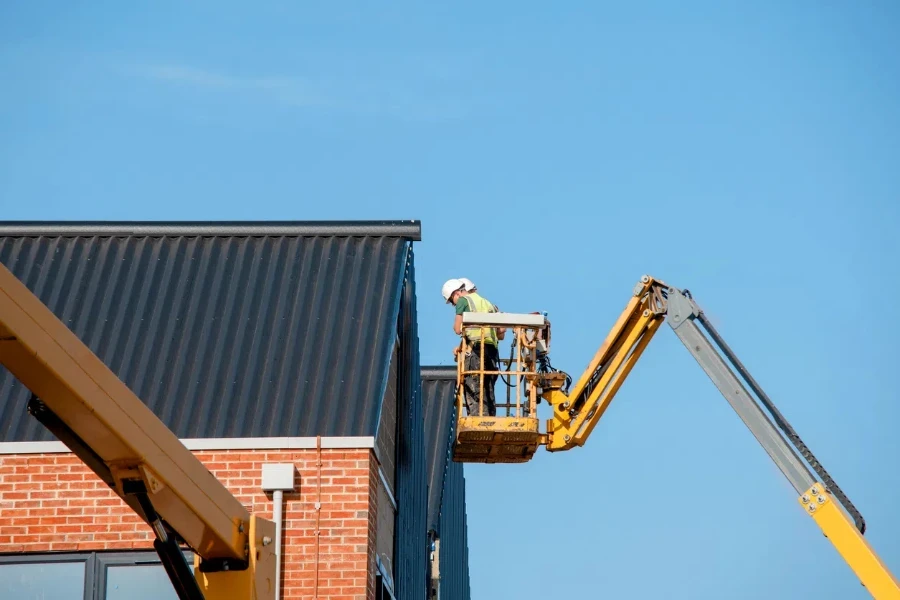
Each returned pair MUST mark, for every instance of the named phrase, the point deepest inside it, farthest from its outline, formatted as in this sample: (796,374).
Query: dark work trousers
(472,384)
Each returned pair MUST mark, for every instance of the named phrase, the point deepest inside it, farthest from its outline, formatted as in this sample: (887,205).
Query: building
(255,343)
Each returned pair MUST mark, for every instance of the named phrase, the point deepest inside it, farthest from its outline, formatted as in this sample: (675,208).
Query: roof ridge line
(411,229)
(438,371)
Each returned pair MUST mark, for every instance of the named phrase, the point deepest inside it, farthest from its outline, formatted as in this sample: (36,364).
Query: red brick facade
(53,502)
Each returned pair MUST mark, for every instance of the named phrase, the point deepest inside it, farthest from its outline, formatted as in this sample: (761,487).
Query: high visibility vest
(480,305)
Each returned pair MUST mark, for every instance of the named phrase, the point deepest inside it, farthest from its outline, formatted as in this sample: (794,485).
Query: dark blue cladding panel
(438,385)
(411,539)
(454,533)
(447,488)
(273,333)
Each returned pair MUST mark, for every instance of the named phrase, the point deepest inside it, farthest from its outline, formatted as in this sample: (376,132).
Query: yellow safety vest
(480,305)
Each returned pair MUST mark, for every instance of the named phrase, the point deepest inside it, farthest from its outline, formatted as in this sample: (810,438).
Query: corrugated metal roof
(438,385)
(280,330)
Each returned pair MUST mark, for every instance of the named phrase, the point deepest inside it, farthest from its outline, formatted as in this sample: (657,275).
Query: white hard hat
(468,283)
(450,286)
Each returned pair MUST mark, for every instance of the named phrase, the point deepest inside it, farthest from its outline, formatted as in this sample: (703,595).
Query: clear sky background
(554,153)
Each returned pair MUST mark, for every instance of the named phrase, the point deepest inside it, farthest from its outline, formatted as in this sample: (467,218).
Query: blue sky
(554,155)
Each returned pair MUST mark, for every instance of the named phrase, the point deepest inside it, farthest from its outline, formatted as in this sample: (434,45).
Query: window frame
(50,558)
(94,563)
(127,558)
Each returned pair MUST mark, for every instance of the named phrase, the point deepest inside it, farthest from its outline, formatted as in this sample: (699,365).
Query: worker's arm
(501,331)
(457,324)
(462,306)
(576,414)
(97,416)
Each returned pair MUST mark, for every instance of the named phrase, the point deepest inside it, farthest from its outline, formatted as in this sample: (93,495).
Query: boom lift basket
(512,435)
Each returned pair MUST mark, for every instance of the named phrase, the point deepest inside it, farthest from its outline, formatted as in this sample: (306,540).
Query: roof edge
(202,444)
(411,229)
(396,339)
(438,372)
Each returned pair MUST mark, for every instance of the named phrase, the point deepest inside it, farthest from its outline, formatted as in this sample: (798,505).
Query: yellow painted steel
(249,583)
(132,443)
(618,355)
(850,543)
(496,439)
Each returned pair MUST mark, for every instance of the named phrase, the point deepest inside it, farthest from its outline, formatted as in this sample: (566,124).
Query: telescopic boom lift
(78,398)
(515,436)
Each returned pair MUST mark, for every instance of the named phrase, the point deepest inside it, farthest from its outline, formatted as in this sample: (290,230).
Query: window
(384,584)
(382,591)
(134,576)
(23,577)
(86,576)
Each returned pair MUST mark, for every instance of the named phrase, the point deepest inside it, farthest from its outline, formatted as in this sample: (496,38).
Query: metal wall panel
(222,335)
(438,385)
(386,442)
(454,532)
(412,542)
(447,489)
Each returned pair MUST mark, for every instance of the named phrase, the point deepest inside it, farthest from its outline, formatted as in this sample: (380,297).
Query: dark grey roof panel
(411,230)
(224,336)
(438,386)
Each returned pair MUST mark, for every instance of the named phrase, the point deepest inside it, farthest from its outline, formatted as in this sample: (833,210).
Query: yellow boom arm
(576,413)
(77,397)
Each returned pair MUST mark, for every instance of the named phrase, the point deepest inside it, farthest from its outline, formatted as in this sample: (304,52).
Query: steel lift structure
(515,436)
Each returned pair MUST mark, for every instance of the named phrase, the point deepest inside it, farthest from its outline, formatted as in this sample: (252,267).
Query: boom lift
(78,398)
(515,436)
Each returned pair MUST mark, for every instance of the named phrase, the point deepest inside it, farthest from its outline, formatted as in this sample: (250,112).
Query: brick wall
(53,502)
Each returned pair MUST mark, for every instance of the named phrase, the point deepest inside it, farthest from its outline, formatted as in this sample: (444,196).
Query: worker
(470,287)
(455,293)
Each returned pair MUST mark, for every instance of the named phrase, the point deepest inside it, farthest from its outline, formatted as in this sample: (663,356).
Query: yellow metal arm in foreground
(98,417)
